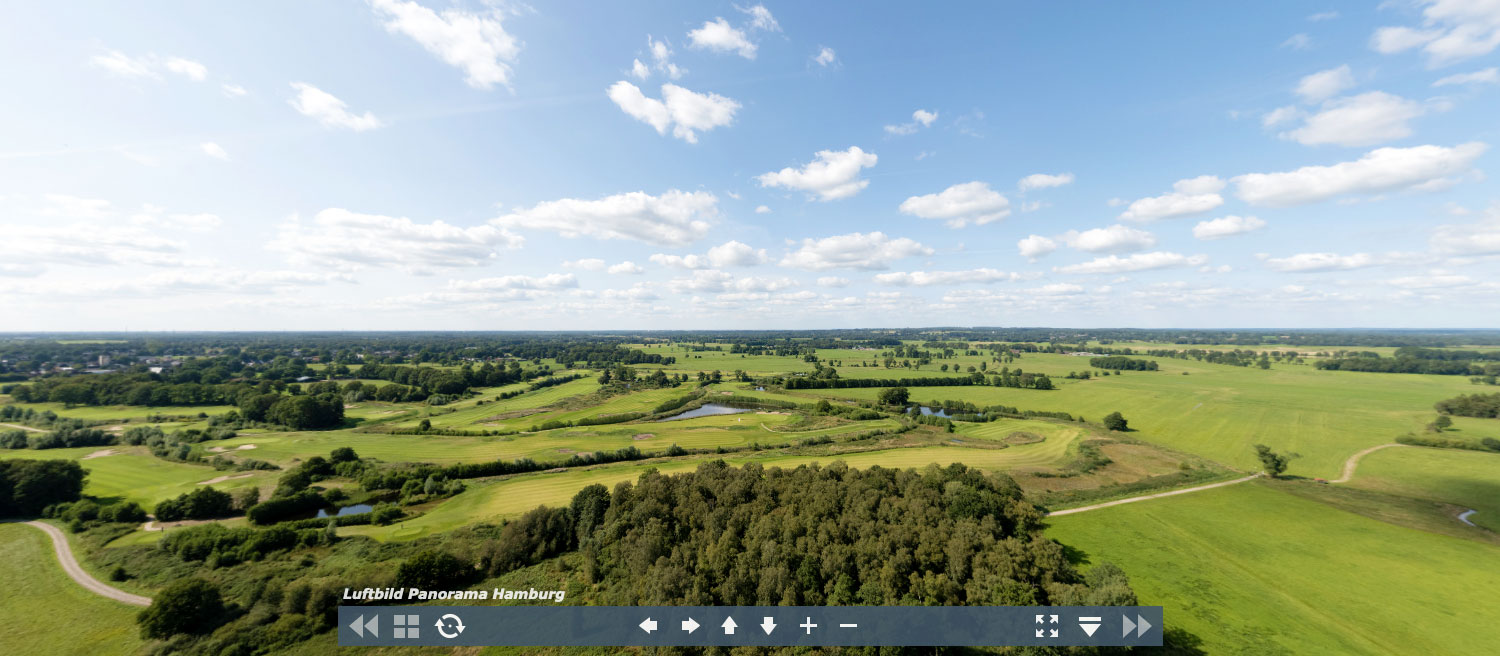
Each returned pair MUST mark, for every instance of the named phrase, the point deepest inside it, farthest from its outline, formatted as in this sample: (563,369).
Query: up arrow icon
(729,626)
(767,625)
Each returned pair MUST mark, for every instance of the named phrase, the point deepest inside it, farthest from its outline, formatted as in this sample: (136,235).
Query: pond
(706,410)
(356,509)
(939,412)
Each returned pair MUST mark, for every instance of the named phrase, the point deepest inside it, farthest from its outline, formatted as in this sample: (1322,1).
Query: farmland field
(1470,479)
(50,614)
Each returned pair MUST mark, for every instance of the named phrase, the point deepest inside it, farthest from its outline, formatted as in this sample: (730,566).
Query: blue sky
(400,164)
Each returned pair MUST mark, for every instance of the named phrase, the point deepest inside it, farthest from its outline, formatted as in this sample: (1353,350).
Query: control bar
(767,626)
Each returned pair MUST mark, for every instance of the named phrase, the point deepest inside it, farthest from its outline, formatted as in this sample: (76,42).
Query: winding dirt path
(75,571)
(1353,462)
(24,428)
(1158,495)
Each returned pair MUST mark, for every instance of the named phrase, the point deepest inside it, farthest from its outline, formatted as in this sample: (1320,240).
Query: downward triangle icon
(1089,628)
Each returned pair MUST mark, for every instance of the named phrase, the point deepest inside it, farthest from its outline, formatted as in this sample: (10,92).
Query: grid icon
(406,626)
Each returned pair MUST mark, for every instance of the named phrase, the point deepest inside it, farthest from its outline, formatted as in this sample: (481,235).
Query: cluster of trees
(142,389)
(1471,405)
(65,433)
(1418,360)
(1122,363)
(299,412)
(202,503)
(29,486)
(810,536)
(1006,378)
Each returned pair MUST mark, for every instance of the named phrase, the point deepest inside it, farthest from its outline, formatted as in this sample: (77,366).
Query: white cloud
(929,278)
(639,70)
(1298,41)
(1189,196)
(762,209)
(329,110)
(825,56)
(187,68)
(74,207)
(1114,239)
(1489,75)
(1035,246)
(1313,262)
(1281,115)
(233,90)
(761,18)
(549,281)
(960,205)
(919,119)
(683,110)
(715,281)
(342,239)
(1382,169)
(1323,85)
(1044,181)
(717,35)
(476,43)
(1363,120)
(120,63)
(1452,31)
(833,281)
(153,216)
(867,251)
(1227,226)
(832,176)
(1323,16)
(214,150)
(637,292)
(1137,262)
(1479,238)
(728,254)
(1058,289)
(681,261)
(161,285)
(93,245)
(1432,281)
(675,218)
(585,264)
(626,268)
(661,56)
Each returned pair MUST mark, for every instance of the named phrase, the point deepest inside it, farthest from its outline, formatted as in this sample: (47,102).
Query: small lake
(939,412)
(706,410)
(356,509)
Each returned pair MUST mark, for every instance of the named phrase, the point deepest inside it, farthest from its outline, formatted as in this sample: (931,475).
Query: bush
(29,486)
(433,570)
(202,503)
(186,606)
(1115,422)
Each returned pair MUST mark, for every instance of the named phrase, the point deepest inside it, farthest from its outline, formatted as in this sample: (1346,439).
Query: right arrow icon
(1140,626)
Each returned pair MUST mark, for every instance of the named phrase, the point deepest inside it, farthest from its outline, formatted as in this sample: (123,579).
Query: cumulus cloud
(832,176)
(89,244)
(1323,85)
(719,36)
(149,66)
(685,111)
(233,90)
(715,281)
(1489,75)
(825,57)
(858,250)
(1189,196)
(1035,246)
(1044,181)
(1382,169)
(919,119)
(1451,31)
(760,18)
(626,268)
(833,281)
(1227,227)
(343,239)
(929,278)
(1363,120)
(214,150)
(329,110)
(661,57)
(675,218)
(187,68)
(637,292)
(1282,115)
(1298,41)
(549,281)
(762,209)
(166,284)
(477,43)
(639,70)
(960,205)
(1137,262)
(1113,239)
(1315,262)
(585,264)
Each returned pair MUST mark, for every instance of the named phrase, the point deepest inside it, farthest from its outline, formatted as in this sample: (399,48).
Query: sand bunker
(221,479)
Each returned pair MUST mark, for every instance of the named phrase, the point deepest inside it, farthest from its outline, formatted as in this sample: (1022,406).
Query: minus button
(848,626)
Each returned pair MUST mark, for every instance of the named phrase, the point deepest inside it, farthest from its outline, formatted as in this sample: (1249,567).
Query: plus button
(808,625)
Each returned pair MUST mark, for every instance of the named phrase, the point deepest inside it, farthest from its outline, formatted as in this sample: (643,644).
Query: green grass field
(133,474)
(498,499)
(122,412)
(1220,412)
(1251,570)
(1465,478)
(46,612)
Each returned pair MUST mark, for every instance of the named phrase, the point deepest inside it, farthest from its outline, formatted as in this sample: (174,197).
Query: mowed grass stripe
(1465,478)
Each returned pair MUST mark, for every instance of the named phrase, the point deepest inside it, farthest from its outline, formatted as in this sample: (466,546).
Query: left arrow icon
(649,625)
(690,625)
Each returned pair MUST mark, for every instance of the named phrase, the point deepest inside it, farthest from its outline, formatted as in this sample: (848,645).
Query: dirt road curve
(1353,462)
(70,565)
(1152,496)
(24,428)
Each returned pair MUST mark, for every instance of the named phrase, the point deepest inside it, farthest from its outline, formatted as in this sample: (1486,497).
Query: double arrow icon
(1140,626)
